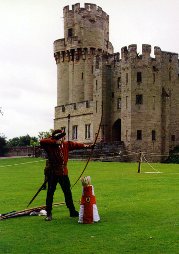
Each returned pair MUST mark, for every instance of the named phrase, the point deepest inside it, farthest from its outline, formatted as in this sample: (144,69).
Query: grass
(139,212)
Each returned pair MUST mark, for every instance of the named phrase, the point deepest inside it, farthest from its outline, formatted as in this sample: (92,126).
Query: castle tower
(86,34)
(150,101)
(137,95)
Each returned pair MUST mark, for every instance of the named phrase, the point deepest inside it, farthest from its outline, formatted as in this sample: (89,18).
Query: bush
(174,156)
(3,146)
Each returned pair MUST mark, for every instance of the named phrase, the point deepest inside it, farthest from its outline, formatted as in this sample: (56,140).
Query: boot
(74,213)
(48,218)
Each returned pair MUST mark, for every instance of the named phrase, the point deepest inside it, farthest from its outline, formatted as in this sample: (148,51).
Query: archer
(57,150)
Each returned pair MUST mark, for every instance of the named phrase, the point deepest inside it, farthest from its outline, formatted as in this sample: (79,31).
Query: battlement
(131,52)
(74,108)
(88,8)
(169,56)
(59,45)
(84,27)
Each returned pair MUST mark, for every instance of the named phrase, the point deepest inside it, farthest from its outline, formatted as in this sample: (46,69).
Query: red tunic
(58,154)
(69,146)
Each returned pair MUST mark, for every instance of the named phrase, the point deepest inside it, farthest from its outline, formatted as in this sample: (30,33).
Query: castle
(134,97)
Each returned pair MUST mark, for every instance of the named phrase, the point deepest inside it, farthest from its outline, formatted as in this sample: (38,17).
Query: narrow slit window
(153,135)
(87,131)
(139,99)
(70,32)
(139,77)
(74,132)
(139,135)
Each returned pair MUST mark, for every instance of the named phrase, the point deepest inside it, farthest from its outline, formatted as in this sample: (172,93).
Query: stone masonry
(136,96)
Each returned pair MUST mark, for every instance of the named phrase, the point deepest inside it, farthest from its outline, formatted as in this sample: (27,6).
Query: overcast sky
(27,67)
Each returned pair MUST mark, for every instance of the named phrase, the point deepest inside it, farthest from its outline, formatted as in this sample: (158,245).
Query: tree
(45,134)
(27,140)
(3,145)
(22,141)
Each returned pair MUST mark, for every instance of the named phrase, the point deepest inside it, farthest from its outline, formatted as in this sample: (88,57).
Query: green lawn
(139,212)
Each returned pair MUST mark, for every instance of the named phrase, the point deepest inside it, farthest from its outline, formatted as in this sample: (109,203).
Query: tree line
(21,141)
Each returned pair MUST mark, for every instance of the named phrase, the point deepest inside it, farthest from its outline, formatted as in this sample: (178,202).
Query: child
(88,210)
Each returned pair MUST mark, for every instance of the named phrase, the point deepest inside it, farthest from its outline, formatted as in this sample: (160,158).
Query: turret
(86,33)
(89,26)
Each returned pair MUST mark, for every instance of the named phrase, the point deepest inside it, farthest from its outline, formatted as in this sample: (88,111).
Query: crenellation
(157,51)
(88,8)
(124,53)
(66,8)
(146,51)
(75,108)
(59,45)
(76,7)
(174,58)
(132,50)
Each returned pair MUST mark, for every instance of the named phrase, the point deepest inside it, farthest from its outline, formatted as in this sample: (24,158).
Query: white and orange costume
(88,210)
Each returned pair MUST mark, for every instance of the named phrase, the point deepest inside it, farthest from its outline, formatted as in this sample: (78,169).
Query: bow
(91,153)
(39,190)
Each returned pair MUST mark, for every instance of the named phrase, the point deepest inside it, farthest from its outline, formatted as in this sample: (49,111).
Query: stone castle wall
(136,95)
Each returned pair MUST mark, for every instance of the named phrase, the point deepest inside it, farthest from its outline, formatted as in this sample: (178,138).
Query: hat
(58,134)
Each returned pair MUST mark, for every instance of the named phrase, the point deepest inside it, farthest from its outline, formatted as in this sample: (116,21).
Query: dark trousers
(65,185)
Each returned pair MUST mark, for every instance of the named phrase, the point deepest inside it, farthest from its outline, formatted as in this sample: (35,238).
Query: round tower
(88,25)
(86,34)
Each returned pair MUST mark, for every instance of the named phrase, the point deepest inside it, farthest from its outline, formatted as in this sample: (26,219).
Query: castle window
(173,138)
(87,131)
(82,75)
(70,32)
(119,103)
(112,95)
(119,82)
(155,68)
(63,108)
(74,106)
(153,103)
(139,135)
(96,106)
(97,62)
(87,104)
(71,55)
(96,85)
(74,131)
(153,135)
(139,99)
(169,75)
(126,78)
(139,77)
(126,101)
